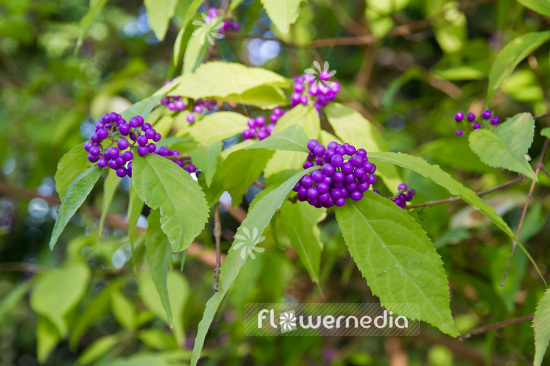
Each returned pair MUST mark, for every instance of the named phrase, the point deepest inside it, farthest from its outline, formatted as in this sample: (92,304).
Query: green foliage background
(406,66)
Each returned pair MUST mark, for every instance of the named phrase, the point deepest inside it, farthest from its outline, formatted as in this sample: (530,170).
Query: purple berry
(337,160)
(328,169)
(197,109)
(312,192)
(332,145)
(471,117)
(260,121)
(486,114)
(278,112)
(317,176)
(338,176)
(121,172)
(152,147)
(102,133)
(92,158)
(191,168)
(459,116)
(190,117)
(363,186)
(88,145)
(120,161)
(402,187)
(150,133)
(359,172)
(261,135)
(102,162)
(145,127)
(95,151)
(495,121)
(111,153)
(307,165)
(476,126)
(123,144)
(347,167)
(319,150)
(307,181)
(372,179)
(312,144)
(323,187)
(142,150)
(340,202)
(459,132)
(356,195)
(124,129)
(356,160)
(112,164)
(142,140)
(127,155)
(361,152)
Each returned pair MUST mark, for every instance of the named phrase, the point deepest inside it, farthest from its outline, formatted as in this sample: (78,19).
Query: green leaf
(142,108)
(449,24)
(308,119)
(160,182)
(507,145)
(159,13)
(217,127)
(545,132)
(198,45)
(282,13)
(109,189)
(99,348)
(157,339)
(124,311)
(76,194)
(135,205)
(179,43)
(159,254)
(265,97)
(300,221)
(350,126)
(240,169)
(47,337)
(69,284)
(255,222)
(397,259)
(206,159)
(95,8)
(511,55)
(541,324)
(13,298)
(221,79)
(178,290)
(540,6)
(96,308)
(438,176)
(70,166)
(291,139)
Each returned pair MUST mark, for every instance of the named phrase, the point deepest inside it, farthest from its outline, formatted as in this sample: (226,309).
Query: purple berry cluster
(119,157)
(227,24)
(177,104)
(257,126)
(470,117)
(182,161)
(320,91)
(339,178)
(403,196)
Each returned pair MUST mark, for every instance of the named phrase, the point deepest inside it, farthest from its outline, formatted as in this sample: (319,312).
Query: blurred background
(407,65)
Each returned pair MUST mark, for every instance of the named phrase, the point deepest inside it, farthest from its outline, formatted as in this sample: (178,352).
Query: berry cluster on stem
(403,196)
(257,126)
(320,91)
(486,115)
(346,172)
(123,138)
(199,107)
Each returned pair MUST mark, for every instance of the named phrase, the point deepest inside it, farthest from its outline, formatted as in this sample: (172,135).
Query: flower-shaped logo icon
(208,29)
(319,76)
(287,321)
(247,241)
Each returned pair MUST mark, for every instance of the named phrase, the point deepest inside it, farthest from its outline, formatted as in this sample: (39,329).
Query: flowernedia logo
(331,319)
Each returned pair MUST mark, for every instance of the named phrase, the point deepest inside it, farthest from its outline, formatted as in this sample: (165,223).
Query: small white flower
(319,76)
(287,321)
(247,242)
(207,29)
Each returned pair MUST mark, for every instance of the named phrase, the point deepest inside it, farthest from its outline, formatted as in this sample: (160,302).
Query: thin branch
(546,115)
(217,236)
(259,185)
(499,325)
(179,157)
(197,250)
(482,193)
(543,168)
(22,267)
(525,207)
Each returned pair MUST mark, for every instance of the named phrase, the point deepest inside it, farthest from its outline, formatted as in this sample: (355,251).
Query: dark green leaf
(397,259)
(292,138)
(76,194)
(160,182)
(206,159)
(70,166)
(159,13)
(541,323)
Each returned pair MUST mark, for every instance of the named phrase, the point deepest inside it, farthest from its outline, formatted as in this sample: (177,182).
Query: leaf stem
(525,207)
(482,193)
(499,325)
(217,236)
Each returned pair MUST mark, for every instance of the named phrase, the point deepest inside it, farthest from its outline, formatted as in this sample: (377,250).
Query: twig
(499,325)
(196,250)
(217,235)
(543,168)
(482,193)
(525,207)
(542,116)
(179,157)
(259,185)
(21,267)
